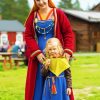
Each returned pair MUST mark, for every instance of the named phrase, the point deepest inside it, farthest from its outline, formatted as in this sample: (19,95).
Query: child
(56,69)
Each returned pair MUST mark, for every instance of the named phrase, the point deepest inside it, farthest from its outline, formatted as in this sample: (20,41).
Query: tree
(76,5)
(67,4)
(14,9)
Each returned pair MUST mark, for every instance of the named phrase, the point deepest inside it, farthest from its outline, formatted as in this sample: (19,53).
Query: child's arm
(44,71)
(45,68)
(69,80)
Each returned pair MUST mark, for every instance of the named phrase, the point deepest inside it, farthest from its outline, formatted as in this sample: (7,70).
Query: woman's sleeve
(67,33)
(68,78)
(30,37)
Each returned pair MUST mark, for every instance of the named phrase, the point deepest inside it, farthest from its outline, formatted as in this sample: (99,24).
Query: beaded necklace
(48,27)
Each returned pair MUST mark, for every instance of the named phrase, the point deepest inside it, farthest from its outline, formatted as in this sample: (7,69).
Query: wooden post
(4,63)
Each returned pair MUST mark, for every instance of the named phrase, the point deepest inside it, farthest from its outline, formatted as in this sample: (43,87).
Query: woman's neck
(45,10)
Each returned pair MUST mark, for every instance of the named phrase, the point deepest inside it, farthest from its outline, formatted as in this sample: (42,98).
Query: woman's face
(42,4)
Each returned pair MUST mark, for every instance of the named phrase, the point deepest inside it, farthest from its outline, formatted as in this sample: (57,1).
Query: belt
(55,76)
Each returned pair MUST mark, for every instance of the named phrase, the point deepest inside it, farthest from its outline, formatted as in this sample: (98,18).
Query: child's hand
(68,91)
(47,63)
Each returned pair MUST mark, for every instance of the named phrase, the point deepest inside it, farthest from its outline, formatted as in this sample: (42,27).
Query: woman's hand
(68,91)
(67,56)
(41,58)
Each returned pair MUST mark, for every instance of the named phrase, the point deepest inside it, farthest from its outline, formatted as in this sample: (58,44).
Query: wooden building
(11,30)
(86,26)
(96,8)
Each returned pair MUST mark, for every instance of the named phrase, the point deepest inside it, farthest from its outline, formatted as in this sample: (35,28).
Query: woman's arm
(67,33)
(30,36)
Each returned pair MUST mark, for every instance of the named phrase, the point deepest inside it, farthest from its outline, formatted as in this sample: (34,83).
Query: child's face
(53,50)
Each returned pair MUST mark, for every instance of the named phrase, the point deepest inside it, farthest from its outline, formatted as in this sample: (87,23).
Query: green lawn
(85,74)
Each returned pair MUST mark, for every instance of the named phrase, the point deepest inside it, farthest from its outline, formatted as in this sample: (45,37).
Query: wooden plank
(17,60)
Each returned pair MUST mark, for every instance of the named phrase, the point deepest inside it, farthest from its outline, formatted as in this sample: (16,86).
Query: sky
(85,4)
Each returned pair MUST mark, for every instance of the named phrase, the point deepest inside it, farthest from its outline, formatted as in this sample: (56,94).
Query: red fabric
(72,95)
(30,82)
(63,33)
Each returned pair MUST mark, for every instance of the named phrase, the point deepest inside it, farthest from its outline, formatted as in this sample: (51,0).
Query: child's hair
(59,46)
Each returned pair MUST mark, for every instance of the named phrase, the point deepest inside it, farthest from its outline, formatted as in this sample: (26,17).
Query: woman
(44,21)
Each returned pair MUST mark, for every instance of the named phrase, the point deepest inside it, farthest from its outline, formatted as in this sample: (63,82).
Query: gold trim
(69,50)
(34,27)
(35,52)
(55,17)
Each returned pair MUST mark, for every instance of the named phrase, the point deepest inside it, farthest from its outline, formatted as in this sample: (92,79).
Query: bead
(45,30)
(36,26)
(36,20)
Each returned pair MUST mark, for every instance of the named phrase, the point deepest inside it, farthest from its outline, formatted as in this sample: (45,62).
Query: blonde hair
(59,46)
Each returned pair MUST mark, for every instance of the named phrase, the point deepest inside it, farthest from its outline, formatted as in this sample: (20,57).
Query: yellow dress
(58,65)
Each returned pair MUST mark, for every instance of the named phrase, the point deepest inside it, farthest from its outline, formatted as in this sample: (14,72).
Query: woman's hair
(35,8)
(59,45)
(50,3)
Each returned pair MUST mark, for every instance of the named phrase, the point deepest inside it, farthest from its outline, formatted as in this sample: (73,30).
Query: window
(19,37)
(96,34)
(4,37)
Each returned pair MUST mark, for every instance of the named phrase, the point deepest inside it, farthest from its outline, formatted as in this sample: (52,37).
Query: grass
(12,83)
(85,74)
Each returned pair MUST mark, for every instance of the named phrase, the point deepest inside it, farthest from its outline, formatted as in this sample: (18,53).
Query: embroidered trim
(55,76)
(50,13)
(44,30)
(34,27)
(35,52)
(46,16)
(69,50)
(55,17)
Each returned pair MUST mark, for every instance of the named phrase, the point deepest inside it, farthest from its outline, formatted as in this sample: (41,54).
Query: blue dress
(61,86)
(44,30)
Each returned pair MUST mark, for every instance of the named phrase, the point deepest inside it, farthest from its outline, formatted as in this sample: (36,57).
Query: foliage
(14,9)
(67,4)
(76,5)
